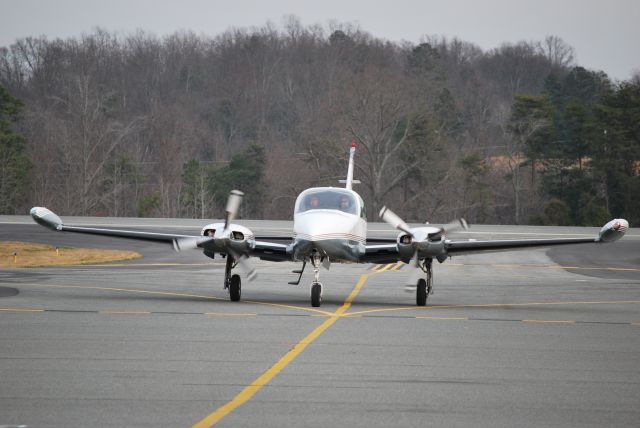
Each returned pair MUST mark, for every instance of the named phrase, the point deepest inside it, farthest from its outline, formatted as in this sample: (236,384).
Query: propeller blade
(246,266)
(454,226)
(233,205)
(182,244)
(415,273)
(392,218)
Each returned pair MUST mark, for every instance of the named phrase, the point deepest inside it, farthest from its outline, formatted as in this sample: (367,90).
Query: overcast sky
(605,34)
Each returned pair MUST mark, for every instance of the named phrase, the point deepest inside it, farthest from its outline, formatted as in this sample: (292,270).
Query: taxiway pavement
(528,338)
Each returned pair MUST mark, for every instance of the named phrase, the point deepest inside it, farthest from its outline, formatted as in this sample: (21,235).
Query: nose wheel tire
(235,288)
(316,294)
(421,292)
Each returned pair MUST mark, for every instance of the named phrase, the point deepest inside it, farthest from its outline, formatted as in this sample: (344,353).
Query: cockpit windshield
(328,200)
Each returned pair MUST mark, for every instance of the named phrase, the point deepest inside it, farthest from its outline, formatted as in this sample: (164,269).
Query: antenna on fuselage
(350,181)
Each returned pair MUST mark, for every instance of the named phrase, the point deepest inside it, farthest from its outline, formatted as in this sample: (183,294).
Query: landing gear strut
(316,287)
(424,287)
(232,283)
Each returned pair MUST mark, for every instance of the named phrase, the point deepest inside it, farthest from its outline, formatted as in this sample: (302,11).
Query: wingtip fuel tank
(46,218)
(613,230)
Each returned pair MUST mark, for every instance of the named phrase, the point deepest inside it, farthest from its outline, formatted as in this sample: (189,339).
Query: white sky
(604,33)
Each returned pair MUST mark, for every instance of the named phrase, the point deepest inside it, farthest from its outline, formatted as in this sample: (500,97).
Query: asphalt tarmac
(526,338)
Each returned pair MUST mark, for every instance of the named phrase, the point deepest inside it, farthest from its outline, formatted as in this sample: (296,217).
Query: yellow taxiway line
(20,310)
(124,312)
(229,314)
(272,372)
(167,293)
(493,305)
(443,318)
(549,321)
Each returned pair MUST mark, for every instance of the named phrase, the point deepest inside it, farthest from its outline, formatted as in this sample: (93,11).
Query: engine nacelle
(614,230)
(237,238)
(421,242)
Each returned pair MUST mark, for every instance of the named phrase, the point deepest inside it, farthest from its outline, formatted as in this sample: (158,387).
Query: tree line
(136,125)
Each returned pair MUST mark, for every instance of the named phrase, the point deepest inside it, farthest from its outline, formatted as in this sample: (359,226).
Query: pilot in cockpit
(345,203)
(314,202)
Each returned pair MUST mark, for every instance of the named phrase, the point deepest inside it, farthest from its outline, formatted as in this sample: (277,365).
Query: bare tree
(557,51)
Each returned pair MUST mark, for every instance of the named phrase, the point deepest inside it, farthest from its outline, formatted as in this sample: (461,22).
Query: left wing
(469,247)
(610,232)
(383,253)
(426,243)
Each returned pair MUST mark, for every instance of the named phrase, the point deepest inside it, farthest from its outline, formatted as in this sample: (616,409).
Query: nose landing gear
(232,283)
(424,287)
(316,286)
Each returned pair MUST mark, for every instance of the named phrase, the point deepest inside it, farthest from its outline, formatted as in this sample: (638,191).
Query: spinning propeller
(224,238)
(233,206)
(394,220)
(421,238)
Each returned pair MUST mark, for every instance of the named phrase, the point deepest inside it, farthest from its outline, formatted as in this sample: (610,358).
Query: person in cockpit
(314,202)
(345,203)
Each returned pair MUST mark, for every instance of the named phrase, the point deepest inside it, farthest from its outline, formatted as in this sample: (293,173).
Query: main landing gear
(316,287)
(424,287)
(232,283)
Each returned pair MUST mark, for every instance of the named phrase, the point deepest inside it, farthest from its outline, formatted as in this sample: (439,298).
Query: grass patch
(40,255)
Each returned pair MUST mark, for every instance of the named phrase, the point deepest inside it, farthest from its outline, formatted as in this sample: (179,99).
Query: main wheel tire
(316,294)
(421,292)
(235,288)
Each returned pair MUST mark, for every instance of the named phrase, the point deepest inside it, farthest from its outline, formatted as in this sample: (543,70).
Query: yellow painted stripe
(397,266)
(300,308)
(532,266)
(124,312)
(167,293)
(227,314)
(549,321)
(495,305)
(272,372)
(145,264)
(386,267)
(444,318)
(127,290)
(20,310)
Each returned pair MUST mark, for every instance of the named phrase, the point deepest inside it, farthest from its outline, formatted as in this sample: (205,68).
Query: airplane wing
(382,253)
(469,247)
(271,251)
(263,249)
(427,248)
(388,253)
(51,221)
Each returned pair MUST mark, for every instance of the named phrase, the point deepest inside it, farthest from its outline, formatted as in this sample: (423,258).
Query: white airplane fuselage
(323,226)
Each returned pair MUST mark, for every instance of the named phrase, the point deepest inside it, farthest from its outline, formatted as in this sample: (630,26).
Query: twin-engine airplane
(330,226)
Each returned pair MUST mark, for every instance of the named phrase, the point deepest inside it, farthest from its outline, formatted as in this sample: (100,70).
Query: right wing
(50,220)
(271,251)
(263,249)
